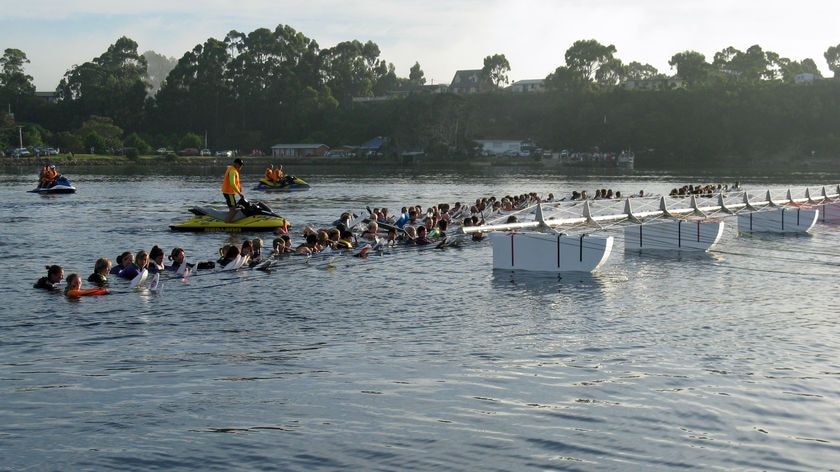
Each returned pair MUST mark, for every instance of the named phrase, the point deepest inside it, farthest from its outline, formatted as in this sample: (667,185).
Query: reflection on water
(548,282)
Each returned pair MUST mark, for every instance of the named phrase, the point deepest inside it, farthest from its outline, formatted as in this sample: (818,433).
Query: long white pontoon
(543,242)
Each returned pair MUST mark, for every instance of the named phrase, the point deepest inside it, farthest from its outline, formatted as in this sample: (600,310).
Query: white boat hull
(830,213)
(670,235)
(544,252)
(783,220)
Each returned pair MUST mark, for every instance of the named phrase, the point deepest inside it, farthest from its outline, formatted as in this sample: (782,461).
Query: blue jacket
(130,272)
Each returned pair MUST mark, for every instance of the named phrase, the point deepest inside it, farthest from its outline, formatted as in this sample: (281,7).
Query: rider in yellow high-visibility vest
(231,187)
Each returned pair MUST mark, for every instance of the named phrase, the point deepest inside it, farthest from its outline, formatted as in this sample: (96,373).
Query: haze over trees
(252,90)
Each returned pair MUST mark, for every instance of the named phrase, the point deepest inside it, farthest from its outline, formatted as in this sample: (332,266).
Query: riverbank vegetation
(251,91)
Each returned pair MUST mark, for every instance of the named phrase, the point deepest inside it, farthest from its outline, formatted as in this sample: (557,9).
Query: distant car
(189,152)
(161,150)
(224,153)
(21,152)
(51,151)
(206,152)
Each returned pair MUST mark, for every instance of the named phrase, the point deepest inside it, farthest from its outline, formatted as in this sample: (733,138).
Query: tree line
(250,91)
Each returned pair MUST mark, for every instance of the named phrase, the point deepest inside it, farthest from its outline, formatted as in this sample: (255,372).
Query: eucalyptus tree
(749,66)
(416,77)
(495,70)
(268,72)
(385,78)
(832,58)
(692,67)
(14,82)
(254,71)
(15,88)
(586,57)
(786,70)
(349,69)
(610,73)
(196,95)
(110,85)
(807,65)
(638,71)
(565,80)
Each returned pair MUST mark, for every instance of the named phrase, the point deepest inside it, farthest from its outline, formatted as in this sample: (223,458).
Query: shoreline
(9,165)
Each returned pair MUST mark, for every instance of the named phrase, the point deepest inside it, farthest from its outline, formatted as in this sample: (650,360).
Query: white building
(505,147)
(525,86)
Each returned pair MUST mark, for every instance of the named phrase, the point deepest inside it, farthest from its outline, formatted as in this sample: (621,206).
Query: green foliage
(94,143)
(190,140)
(587,56)
(134,141)
(495,70)
(416,76)
(33,135)
(111,85)
(16,87)
(69,142)
(105,131)
(12,77)
(350,69)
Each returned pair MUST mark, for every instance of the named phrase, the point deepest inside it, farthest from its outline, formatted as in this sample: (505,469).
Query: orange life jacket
(86,291)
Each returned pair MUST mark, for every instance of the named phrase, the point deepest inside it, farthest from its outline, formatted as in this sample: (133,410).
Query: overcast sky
(442,35)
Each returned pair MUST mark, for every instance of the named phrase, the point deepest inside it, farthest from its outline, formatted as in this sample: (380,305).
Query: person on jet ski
(48,176)
(278,173)
(231,188)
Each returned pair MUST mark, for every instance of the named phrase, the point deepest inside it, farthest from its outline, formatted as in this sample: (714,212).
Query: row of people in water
(128,266)
(707,190)
(411,226)
(55,273)
(338,237)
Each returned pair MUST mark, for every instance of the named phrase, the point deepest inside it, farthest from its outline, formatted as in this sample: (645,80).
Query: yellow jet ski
(288,183)
(250,216)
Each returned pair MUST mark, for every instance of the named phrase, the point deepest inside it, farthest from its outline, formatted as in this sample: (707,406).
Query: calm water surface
(418,360)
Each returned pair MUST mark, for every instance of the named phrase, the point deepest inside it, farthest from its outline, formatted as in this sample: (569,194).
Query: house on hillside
(341,151)
(299,150)
(404,91)
(468,81)
(49,97)
(669,83)
(373,146)
(526,86)
(804,78)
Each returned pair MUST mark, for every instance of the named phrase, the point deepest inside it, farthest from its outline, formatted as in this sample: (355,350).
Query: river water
(417,360)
